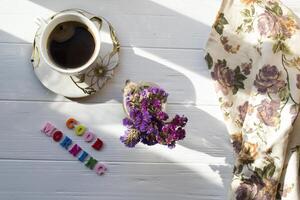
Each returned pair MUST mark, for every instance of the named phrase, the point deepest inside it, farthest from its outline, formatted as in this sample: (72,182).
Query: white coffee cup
(93,28)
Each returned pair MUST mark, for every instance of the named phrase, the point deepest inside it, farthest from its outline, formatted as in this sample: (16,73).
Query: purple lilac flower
(127,122)
(149,139)
(154,90)
(162,115)
(156,103)
(147,122)
(131,137)
(180,134)
(180,121)
(147,117)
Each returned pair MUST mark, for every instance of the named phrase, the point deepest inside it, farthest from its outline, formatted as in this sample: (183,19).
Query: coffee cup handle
(97,21)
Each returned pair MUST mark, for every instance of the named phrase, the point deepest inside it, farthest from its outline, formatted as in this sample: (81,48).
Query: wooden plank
(156,23)
(203,144)
(35,167)
(167,67)
(163,24)
(47,180)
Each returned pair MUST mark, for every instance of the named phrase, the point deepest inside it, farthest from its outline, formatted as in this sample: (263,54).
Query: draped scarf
(253,54)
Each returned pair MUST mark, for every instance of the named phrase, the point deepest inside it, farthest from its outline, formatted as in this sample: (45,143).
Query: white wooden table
(161,42)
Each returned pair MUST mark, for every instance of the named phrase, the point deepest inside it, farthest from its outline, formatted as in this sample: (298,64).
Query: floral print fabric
(253,56)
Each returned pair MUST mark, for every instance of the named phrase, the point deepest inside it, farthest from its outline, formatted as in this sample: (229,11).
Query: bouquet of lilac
(147,122)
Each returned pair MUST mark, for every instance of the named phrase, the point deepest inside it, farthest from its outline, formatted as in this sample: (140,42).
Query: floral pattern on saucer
(95,77)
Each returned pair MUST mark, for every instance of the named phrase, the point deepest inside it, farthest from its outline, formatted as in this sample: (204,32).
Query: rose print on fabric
(246,67)
(248,154)
(256,188)
(228,79)
(268,25)
(219,26)
(227,47)
(269,80)
(260,184)
(237,140)
(242,110)
(272,23)
(268,113)
(223,75)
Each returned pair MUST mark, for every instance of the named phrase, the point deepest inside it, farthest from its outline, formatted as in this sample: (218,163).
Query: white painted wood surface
(161,42)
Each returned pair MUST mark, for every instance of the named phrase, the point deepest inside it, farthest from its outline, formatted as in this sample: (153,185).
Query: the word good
(81,130)
(74,149)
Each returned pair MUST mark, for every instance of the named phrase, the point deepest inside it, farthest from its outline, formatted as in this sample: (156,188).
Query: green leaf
(250,28)
(276,47)
(252,10)
(247,20)
(238,169)
(259,171)
(224,62)
(238,74)
(285,49)
(239,28)
(237,70)
(240,77)
(220,22)
(223,20)
(269,170)
(246,13)
(209,60)
(277,10)
(281,46)
(219,28)
(238,84)
(235,90)
(283,94)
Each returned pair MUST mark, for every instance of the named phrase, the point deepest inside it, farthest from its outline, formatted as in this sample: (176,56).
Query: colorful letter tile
(71,122)
(100,168)
(91,163)
(75,150)
(98,144)
(88,136)
(83,156)
(80,130)
(66,142)
(57,135)
(48,129)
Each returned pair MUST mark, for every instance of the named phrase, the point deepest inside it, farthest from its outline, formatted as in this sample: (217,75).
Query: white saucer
(95,77)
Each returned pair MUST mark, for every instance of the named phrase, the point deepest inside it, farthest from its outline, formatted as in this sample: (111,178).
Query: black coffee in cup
(71,44)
